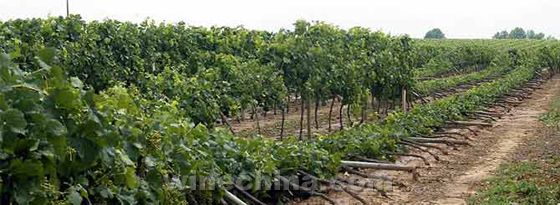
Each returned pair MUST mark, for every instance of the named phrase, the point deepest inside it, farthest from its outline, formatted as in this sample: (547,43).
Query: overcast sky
(457,18)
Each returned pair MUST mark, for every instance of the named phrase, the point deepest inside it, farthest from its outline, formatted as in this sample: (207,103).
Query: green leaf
(47,55)
(27,168)
(149,161)
(87,150)
(23,197)
(74,197)
(35,146)
(14,120)
(67,98)
(130,178)
(76,82)
(56,128)
(124,158)
(16,53)
(3,104)
(106,193)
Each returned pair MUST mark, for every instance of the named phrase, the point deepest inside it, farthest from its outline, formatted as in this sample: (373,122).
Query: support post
(67,8)
(404,102)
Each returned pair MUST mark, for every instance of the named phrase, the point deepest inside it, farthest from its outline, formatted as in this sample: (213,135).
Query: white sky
(457,18)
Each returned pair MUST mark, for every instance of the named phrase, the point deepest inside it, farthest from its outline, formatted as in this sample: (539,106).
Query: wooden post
(301,120)
(330,112)
(309,118)
(257,119)
(404,102)
(316,109)
(282,126)
(67,8)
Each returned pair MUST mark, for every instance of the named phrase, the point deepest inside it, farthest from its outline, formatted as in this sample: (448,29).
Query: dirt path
(520,125)
(453,179)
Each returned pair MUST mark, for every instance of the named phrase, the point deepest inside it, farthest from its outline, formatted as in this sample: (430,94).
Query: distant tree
(435,33)
(550,38)
(517,33)
(531,34)
(501,35)
(539,36)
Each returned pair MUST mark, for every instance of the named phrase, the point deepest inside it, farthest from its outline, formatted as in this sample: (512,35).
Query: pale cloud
(458,19)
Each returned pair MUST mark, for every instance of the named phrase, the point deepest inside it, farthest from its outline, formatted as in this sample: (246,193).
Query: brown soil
(457,176)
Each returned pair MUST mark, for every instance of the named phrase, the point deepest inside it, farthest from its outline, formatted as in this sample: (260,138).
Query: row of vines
(220,73)
(121,113)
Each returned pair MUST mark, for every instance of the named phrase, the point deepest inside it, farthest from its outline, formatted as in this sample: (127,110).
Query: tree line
(520,33)
(516,33)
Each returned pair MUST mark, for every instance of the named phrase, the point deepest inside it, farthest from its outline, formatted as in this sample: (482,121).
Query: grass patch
(535,180)
(552,117)
(523,183)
